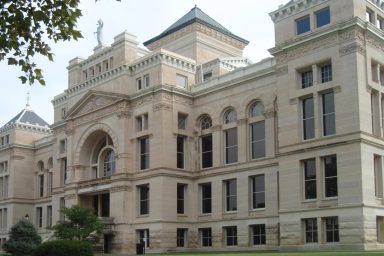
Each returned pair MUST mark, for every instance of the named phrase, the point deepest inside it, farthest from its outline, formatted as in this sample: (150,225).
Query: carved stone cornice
(121,188)
(352,48)
(162,106)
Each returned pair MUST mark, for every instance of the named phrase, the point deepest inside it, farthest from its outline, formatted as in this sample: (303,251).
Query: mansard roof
(27,116)
(195,15)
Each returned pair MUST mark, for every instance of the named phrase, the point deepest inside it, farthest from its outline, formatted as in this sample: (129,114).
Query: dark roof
(27,116)
(195,15)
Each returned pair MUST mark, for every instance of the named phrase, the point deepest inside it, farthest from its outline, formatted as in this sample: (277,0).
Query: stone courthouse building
(189,146)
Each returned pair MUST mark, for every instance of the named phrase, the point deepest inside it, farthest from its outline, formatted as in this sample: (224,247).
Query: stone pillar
(315,75)
(217,146)
(242,140)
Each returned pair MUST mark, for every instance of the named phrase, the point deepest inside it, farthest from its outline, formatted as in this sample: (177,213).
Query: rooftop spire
(28,101)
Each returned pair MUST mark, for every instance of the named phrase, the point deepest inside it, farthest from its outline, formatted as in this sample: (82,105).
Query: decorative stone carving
(120,188)
(281,71)
(162,105)
(352,48)
(94,103)
(96,115)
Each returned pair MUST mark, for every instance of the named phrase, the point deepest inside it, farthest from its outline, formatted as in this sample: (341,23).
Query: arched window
(230,116)
(103,158)
(257,109)
(109,163)
(205,122)
(40,166)
(50,163)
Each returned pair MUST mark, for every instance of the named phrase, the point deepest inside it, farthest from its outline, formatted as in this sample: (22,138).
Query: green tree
(26,26)
(79,224)
(23,239)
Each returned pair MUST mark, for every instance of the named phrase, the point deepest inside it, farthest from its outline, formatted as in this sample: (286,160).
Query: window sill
(308,201)
(142,216)
(230,212)
(329,198)
(205,215)
(257,210)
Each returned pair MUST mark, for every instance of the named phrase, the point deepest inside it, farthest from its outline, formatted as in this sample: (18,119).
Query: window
(323,17)
(230,195)
(143,236)
(329,126)
(5,218)
(62,206)
(142,122)
(49,216)
(3,166)
(41,185)
(310,226)
(308,119)
(309,179)
(63,171)
(331,229)
(380,22)
(109,164)
(258,234)
(182,121)
(258,191)
(39,217)
(206,198)
(257,109)
(7,139)
(231,235)
(207,76)
(378,172)
(146,80)
(330,175)
(206,237)
(206,151)
(181,81)
(369,16)
(180,152)
(63,112)
(63,146)
(144,199)
(181,237)
(205,122)
(144,153)
(258,139)
(139,83)
(306,79)
(303,25)
(49,183)
(230,116)
(230,145)
(181,188)
(326,73)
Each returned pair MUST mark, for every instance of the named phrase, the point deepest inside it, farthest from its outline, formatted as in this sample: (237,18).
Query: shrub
(64,248)
(23,238)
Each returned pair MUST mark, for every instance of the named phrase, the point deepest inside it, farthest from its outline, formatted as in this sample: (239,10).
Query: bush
(64,248)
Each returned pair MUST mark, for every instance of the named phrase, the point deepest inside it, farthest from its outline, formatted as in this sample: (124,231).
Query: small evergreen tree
(23,239)
(79,224)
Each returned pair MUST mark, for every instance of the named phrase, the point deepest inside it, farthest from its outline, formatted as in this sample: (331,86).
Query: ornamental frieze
(372,41)
(96,115)
(352,48)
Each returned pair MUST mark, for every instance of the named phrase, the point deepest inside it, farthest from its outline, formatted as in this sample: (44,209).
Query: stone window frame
(256,117)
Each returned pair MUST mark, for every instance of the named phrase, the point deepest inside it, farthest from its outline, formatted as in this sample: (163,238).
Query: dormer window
(323,17)
(303,25)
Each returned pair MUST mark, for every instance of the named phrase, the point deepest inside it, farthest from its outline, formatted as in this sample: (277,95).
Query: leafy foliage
(23,238)
(25,26)
(64,248)
(79,224)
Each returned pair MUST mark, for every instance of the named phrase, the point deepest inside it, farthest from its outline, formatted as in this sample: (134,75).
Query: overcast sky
(248,19)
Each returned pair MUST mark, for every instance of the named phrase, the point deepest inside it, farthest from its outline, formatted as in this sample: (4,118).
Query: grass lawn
(330,253)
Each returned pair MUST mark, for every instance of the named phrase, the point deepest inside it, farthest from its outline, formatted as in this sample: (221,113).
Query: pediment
(93,101)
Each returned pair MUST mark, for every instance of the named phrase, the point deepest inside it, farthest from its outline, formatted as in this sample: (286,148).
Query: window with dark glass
(206,151)
(205,122)
(39,217)
(326,73)
(231,146)
(109,163)
(309,179)
(323,17)
(144,199)
(143,236)
(332,229)
(330,175)
(207,76)
(258,191)
(146,80)
(311,230)
(41,185)
(369,16)
(181,198)
(144,153)
(231,236)
(308,119)
(49,216)
(258,234)
(181,237)
(206,237)
(231,195)
(303,25)
(306,79)
(329,126)
(258,139)
(206,198)
(180,152)
(139,83)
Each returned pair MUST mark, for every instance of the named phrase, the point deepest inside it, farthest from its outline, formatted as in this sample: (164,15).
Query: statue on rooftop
(99,32)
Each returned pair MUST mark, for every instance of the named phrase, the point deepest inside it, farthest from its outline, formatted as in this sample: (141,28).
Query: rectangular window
(258,234)
(231,195)
(369,16)
(331,229)
(63,170)
(206,151)
(308,119)
(231,235)
(49,183)
(62,206)
(380,22)
(144,153)
(206,198)
(309,179)
(5,218)
(7,139)
(63,146)
(143,236)
(139,83)
(329,123)
(303,25)
(182,121)
(146,80)
(181,81)
(258,139)
(180,152)
(181,189)
(258,191)
(306,79)
(3,167)
(49,216)
(323,17)
(181,237)
(330,175)
(5,187)
(326,73)
(230,146)
(41,185)
(39,217)
(378,172)
(310,231)
(142,122)
(206,237)
(143,199)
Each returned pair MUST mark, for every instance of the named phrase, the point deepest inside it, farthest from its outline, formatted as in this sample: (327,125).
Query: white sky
(248,19)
